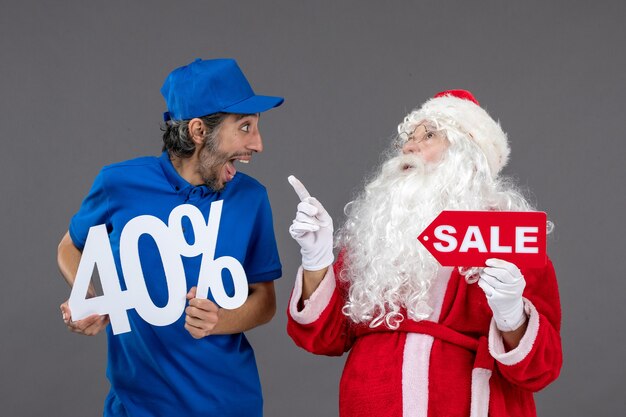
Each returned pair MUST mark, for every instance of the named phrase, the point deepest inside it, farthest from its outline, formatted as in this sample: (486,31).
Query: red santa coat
(454,364)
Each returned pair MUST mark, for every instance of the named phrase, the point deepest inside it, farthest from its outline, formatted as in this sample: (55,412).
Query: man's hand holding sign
(89,326)
(201,315)
(69,258)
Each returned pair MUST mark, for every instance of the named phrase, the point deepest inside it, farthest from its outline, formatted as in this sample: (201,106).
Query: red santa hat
(460,109)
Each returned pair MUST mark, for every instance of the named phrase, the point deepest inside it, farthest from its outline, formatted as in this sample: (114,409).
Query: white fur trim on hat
(471,119)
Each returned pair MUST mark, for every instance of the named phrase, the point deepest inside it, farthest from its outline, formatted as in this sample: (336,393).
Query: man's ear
(197,130)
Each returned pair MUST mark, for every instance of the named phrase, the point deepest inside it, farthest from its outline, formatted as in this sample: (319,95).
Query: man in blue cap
(201,364)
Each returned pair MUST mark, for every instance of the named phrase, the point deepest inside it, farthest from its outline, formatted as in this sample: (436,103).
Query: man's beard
(386,266)
(211,164)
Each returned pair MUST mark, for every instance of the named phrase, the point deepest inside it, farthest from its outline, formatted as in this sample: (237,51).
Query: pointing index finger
(298,187)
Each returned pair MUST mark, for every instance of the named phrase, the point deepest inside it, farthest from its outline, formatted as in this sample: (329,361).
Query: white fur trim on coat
(415,370)
(318,301)
(515,356)
(479,406)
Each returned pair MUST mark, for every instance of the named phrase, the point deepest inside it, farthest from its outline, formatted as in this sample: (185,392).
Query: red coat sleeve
(321,327)
(537,361)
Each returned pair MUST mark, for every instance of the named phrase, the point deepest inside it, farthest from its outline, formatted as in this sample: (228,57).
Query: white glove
(503,284)
(312,229)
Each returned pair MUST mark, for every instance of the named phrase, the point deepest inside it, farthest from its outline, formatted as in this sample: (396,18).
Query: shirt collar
(178,183)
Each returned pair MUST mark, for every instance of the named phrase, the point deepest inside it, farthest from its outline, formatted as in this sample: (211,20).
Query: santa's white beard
(386,266)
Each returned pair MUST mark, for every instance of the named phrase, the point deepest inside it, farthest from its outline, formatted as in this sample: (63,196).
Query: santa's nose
(410,146)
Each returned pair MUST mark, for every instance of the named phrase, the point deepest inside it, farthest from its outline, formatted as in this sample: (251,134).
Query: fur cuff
(318,301)
(515,356)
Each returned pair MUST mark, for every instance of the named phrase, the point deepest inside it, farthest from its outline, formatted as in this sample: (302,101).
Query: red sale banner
(469,238)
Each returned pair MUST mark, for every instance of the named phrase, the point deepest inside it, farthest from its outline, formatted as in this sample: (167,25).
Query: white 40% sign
(172,245)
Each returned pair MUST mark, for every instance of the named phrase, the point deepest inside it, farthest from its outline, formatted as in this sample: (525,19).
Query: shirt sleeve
(262,262)
(93,211)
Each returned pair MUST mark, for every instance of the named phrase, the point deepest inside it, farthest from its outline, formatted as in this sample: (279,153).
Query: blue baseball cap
(211,86)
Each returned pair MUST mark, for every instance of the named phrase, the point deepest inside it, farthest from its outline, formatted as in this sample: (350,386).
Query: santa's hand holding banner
(424,340)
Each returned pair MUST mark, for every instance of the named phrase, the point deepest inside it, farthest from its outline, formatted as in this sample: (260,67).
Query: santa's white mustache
(404,168)
(404,163)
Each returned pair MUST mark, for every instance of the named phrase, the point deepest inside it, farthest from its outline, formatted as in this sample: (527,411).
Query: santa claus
(425,340)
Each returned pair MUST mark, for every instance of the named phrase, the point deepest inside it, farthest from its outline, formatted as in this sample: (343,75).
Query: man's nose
(256,143)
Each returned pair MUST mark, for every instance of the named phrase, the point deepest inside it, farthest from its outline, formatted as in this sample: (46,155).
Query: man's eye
(430,135)
(245,128)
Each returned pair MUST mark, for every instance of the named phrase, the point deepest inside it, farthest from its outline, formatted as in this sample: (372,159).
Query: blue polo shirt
(164,371)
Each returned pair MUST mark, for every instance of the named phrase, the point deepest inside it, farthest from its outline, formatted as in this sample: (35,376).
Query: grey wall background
(80,83)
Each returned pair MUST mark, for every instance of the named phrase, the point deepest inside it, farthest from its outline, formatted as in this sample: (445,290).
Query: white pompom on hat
(460,109)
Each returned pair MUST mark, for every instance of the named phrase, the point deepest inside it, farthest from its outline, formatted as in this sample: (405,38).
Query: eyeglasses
(428,135)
